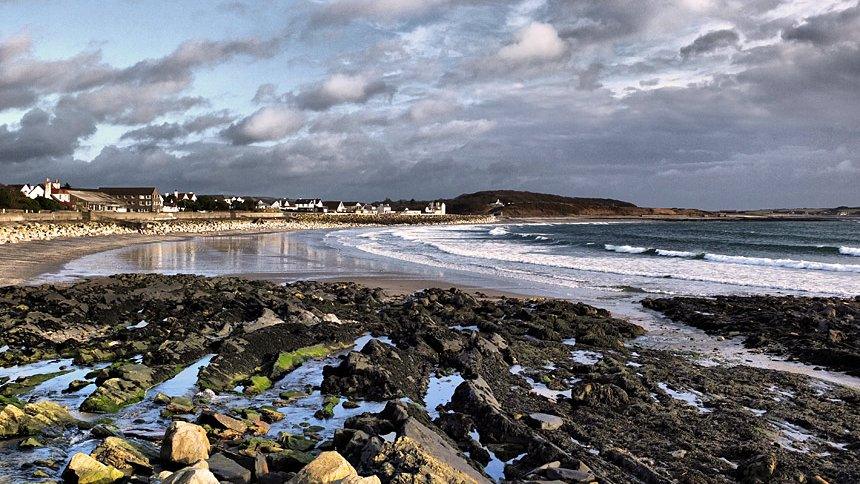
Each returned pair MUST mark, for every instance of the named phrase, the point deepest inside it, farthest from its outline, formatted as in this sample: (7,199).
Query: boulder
(32,418)
(441,456)
(122,455)
(544,421)
(184,443)
(228,470)
(191,475)
(221,421)
(83,469)
(268,318)
(407,461)
(118,386)
(330,468)
(759,468)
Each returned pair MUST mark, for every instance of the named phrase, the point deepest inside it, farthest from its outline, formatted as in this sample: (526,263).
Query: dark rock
(227,470)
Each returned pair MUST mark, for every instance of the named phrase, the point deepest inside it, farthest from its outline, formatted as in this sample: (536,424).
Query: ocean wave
(496,256)
(679,253)
(738,259)
(855,251)
(626,249)
(787,263)
(499,231)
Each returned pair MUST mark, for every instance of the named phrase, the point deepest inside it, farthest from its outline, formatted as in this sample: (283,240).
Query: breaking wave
(739,259)
(855,251)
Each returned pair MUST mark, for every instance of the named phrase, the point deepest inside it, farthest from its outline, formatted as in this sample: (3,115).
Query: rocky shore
(816,330)
(180,379)
(11,233)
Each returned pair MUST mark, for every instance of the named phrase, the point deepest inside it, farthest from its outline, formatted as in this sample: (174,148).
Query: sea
(659,257)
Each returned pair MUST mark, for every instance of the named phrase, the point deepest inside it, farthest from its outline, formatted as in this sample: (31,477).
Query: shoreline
(23,261)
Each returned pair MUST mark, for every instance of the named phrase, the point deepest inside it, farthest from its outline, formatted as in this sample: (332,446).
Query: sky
(714,104)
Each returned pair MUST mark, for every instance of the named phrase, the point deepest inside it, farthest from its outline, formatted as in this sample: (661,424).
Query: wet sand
(22,262)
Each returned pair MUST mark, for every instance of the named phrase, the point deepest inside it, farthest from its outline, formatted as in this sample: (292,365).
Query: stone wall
(17,232)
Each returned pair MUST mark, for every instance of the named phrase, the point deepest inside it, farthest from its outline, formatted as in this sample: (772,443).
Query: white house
(183,196)
(309,205)
(334,206)
(383,209)
(435,208)
(233,201)
(36,191)
(366,209)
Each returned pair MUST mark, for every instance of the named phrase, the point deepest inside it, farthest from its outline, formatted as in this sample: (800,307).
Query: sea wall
(202,223)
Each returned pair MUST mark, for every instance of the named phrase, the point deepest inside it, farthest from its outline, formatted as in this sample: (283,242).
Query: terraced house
(136,199)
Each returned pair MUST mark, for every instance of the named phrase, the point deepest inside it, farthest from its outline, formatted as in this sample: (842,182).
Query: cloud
(828,28)
(270,123)
(710,42)
(456,128)
(536,42)
(341,89)
(345,11)
(432,109)
(41,134)
(172,131)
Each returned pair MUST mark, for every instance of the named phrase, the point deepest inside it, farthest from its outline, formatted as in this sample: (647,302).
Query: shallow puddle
(690,397)
(439,392)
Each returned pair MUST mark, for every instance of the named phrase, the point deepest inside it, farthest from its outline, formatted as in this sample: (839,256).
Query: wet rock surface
(249,381)
(815,330)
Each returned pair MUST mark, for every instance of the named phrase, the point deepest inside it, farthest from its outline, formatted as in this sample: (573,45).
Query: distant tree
(14,199)
(248,205)
(49,204)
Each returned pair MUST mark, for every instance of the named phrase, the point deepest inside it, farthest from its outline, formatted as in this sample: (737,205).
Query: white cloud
(431,109)
(457,128)
(340,89)
(270,123)
(535,42)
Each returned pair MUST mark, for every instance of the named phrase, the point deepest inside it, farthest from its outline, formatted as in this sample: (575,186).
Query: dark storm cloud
(44,135)
(172,131)
(710,42)
(827,28)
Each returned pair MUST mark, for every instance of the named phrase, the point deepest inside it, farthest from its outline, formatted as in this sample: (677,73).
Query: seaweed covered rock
(118,386)
(32,418)
(379,372)
(122,455)
(83,469)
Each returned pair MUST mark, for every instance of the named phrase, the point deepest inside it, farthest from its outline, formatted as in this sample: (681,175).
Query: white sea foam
(855,251)
(789,263)
(740,259)
(435,246)
(675,253)
(499,231)
(626,249)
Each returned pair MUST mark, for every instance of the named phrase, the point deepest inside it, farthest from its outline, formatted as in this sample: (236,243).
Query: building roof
(332,204)
(94,196)
(307,200)
(128,190)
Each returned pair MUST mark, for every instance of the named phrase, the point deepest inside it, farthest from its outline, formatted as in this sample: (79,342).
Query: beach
(373,354)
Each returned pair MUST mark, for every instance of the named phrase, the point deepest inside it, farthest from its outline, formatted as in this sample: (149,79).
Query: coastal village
(54,195)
